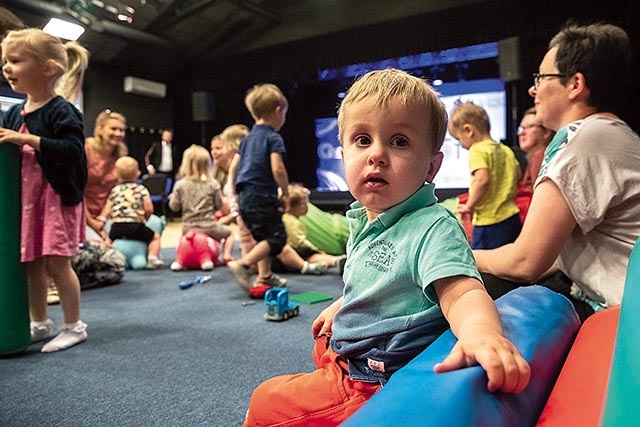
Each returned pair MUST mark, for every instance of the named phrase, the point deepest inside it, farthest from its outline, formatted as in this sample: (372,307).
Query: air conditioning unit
(144,87)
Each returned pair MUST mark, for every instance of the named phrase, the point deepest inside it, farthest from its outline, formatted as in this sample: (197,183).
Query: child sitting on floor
(297,206)
(129,205)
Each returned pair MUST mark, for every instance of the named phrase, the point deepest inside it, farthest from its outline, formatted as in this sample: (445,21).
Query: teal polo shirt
(390,311)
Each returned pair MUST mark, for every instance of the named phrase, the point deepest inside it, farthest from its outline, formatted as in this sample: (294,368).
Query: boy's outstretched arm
(474,320)
(280,174)
(478,190)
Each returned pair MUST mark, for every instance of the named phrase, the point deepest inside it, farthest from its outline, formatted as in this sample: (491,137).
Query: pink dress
(48,227)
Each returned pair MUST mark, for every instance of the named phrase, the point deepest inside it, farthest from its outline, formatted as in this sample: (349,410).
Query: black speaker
(509,59)
(204,106)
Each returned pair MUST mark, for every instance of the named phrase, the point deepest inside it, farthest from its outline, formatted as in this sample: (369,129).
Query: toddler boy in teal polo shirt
(410,273)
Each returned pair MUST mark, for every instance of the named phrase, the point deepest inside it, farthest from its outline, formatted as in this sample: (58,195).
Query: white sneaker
(154,262)
(175,266)
(68,337)
(338,265)
(207,265)
(41,330)
(314,268)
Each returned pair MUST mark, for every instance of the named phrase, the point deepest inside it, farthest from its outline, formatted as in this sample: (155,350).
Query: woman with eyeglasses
(584,216)
(102,149)
(533,139)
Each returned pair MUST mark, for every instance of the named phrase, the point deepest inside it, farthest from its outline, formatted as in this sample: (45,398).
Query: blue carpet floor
(161,356)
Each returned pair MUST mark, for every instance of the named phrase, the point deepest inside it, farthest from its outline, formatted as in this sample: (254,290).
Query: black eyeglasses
(537,77)
(526,127)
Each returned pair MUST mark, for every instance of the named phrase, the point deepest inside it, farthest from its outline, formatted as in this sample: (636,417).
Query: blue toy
(186,284)
(135,251)
(277,305)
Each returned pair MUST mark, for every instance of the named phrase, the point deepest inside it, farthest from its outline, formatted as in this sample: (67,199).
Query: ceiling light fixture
(63,29)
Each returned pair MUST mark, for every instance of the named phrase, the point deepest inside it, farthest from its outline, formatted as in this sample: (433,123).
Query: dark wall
(146,116)
(293,66)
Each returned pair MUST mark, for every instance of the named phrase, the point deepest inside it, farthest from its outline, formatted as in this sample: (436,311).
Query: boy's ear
(467,128)
(434,166)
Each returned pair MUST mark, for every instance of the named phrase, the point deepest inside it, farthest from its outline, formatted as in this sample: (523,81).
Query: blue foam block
(540,322)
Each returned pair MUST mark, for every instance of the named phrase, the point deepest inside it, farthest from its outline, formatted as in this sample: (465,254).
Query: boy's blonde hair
(127,169)
(70,59)
(196,163)
(411,91)
(470,113)
(262,100)
(298,194)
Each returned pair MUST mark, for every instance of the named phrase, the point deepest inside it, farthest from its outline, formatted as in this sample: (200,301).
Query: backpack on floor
(97,264)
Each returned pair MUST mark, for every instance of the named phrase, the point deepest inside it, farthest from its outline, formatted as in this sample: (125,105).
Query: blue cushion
(135,251)
(540,322)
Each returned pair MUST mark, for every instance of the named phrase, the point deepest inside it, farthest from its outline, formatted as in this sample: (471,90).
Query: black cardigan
(61,157)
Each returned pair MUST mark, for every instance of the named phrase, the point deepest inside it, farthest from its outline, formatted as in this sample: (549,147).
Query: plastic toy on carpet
(311,297)
(186,284)
(277,305)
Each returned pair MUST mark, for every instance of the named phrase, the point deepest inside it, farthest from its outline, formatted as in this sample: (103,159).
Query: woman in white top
(584,216)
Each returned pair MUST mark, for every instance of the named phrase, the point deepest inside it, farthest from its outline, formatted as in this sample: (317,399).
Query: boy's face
(387,153)
(301,209)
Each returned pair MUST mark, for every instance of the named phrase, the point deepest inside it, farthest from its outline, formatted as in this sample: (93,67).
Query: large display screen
(469,73)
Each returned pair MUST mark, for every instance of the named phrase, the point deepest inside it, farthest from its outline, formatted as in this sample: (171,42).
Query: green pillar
(14,301)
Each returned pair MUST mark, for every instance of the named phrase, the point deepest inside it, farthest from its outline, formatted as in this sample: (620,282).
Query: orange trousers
(324,397)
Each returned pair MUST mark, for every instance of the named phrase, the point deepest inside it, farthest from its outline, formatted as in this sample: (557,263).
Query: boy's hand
(505,367)
(464,209)
(323,323)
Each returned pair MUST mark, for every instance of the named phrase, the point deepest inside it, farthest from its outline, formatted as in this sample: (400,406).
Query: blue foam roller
(540,322)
